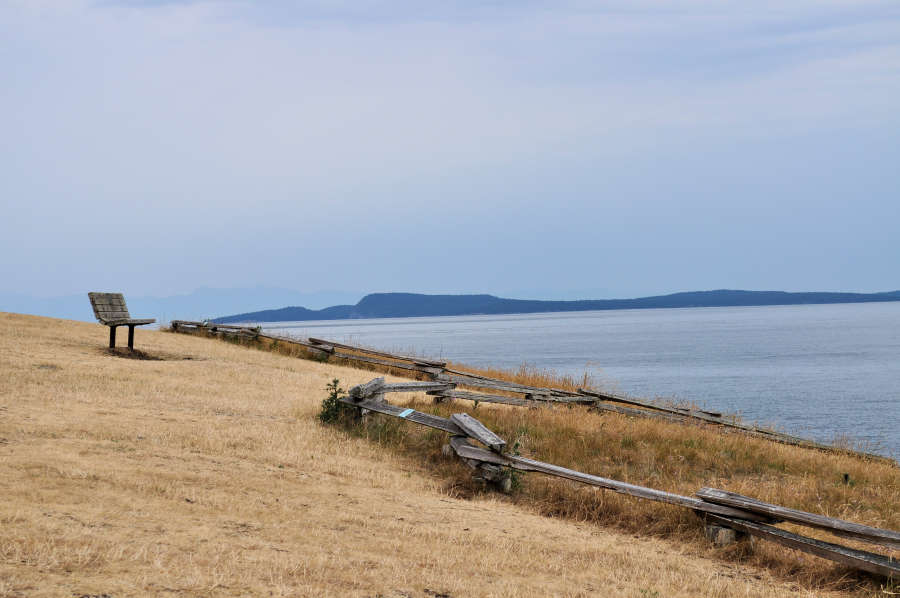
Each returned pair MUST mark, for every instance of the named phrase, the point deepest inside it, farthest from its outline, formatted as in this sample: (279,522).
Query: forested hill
(406,305)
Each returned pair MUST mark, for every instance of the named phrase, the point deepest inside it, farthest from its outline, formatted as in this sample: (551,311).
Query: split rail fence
(719,508)
(483,389)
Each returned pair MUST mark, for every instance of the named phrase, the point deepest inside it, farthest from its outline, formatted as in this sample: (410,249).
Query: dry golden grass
(531,375)
(207,473)
(677,458)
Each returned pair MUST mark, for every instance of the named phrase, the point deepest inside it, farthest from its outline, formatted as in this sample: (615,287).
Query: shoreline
(767,365)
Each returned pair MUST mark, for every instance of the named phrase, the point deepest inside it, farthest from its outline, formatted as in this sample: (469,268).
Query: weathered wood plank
(130,321)
(504,386)
(518,387)
(485,471)
(476,430)
(101,300)
(700,414)
(839,527)
(295,341)
(550,398)
(481,398)
(629,411)
(418,387)
(375,360)
(428,364)
(107,299)
(483,382)
(425,419)
(351,357)
(112,316)
(233,327)
(858,559)
(703,411)
(107,309)
(525,464)
(418,360)
(185,323)
(367,390)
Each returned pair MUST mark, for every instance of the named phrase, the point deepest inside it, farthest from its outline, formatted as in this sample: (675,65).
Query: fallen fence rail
(838,527)
(526,396)
(858,559)
(416,360)
(719,507)
(613,398)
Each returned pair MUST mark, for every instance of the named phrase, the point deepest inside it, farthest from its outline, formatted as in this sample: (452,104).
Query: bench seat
(133,322)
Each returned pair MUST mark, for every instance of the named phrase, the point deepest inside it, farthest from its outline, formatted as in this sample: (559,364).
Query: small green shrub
(333,410)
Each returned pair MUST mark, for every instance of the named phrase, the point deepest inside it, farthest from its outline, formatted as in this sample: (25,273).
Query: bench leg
(112,337)
(131,338)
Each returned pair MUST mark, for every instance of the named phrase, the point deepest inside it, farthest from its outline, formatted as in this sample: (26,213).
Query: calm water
(822,371)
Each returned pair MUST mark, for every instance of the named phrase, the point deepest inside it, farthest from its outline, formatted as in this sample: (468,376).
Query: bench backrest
(109,307)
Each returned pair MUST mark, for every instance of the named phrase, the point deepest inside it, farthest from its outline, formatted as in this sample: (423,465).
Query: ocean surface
(821,371)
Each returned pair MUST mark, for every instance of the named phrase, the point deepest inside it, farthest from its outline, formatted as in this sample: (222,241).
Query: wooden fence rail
(475,386)
(838,527)
(734,511)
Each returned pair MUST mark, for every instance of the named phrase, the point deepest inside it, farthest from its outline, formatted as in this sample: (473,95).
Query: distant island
(411,305)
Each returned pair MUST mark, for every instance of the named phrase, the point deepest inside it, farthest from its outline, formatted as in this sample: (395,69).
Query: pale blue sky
(544,149)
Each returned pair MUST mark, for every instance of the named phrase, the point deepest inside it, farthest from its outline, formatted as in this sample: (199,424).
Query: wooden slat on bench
(109,306)
(838,527)
(114,316)
(130,321)
(109,302)
(108,299)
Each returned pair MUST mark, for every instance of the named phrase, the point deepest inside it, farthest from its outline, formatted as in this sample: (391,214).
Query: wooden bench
(110,309)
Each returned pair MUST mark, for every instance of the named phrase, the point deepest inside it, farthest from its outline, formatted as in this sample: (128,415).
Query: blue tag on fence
(407,412)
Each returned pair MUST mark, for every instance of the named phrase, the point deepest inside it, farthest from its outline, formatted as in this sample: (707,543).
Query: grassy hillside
(206,472)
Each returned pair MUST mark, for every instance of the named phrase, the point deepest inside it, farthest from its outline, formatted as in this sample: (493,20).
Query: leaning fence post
(487,472)
(370,390)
